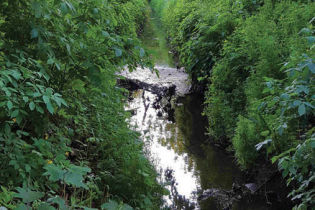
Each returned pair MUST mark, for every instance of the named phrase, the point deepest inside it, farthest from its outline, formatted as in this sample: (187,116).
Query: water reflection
(176,148)
(164,143)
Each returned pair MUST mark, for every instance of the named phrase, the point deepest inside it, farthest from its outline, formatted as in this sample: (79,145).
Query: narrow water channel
(173,131)
(175,144)
(177,151)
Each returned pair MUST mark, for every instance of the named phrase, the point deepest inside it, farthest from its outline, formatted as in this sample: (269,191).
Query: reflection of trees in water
(180,133)
(145,105)
(179,201)
(216,169)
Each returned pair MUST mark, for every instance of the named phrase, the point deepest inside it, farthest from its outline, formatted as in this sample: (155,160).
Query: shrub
(63,132)
(244,141)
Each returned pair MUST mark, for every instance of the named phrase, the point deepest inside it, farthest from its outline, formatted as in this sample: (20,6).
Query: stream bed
(198,175)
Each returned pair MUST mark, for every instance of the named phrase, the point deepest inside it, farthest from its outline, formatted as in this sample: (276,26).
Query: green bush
(298,168)
(64,140)
(251,80)
(244,141)
(197,30)
(256,59)
(254,51)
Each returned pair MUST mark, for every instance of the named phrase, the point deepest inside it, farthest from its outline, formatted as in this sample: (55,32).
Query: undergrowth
(256,59)
(64,140)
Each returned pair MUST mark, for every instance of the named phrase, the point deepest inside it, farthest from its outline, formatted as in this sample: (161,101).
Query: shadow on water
(176,149)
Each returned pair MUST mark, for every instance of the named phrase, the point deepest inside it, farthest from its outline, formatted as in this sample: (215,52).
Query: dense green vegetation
(257,60)
(64,141)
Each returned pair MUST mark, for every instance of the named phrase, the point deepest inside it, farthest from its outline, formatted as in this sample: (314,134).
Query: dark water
(187,166)
(176,149)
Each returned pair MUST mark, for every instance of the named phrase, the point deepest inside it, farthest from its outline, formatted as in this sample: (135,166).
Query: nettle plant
(292,102)
(289,102)
(31,156)
(60,107)
(24,88)
(297,163)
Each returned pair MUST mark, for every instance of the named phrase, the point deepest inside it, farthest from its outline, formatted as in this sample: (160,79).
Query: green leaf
(75,176)
(311,67)
(292,171)
(63,8)
(50,107)
(15,74)
(296,103)
(63,102)
(310,39)
(9,105)
(57,200)
(284,96)
(27,195)
(55,173)
(39,109)
(113,205)
(22,206)
(78,85)
(37,9)
(25,99)
(45,206)
(31,106)
(7,92)
(72,175)
(27,168)
(142,52)
(118,52)
(308,104)
(15,113)
(36,94)
(58,66)
(34,33)
(49,91)
(50,61)
(95,11)
(302,206)
(265,133)
(105,33)
(58,101)
(68,49)
(110,205)
(305,31)
(301,109)
(127,207)
(46,99)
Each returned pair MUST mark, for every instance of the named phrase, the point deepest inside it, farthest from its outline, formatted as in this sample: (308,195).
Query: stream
(175,148)
(198,175)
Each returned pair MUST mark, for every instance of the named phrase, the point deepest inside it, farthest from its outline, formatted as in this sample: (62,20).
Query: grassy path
(155,41)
